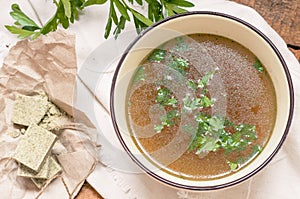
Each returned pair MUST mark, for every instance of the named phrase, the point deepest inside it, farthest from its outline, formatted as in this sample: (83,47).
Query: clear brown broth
(250,99)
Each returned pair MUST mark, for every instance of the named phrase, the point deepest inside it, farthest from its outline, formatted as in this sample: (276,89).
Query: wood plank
(282,15)
(296,53)
(88,192)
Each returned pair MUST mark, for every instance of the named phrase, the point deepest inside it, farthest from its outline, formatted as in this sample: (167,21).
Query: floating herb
(192,85)
(192,104)
(214,127)
(201,83)
(256,149)
(157,55)
(165,98)
(167,120)
(158,128)
(258,66)
(179,64)
(233,165)
(204,81)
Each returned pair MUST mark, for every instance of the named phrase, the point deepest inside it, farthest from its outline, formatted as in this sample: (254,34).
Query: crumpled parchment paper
(46,64)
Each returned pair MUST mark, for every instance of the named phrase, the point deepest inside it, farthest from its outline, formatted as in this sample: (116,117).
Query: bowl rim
(213,187)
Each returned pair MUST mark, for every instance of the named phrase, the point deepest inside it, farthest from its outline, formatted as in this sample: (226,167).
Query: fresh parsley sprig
(67,11)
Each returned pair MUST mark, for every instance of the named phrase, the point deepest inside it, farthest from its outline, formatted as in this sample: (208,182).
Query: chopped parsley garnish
(233,165)
(258,66)
(165,98)
(256,149)
(203,82)
(157,55)
(212,135)
(179,64)
(192,85)
(192,104)
(167,120)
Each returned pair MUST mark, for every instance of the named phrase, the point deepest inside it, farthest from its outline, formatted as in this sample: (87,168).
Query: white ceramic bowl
(208,23)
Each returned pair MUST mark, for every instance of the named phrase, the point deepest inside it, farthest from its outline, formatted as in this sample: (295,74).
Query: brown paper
(46,64)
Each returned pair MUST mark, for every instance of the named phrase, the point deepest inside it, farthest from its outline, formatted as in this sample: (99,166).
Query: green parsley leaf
(189,128)
(67,11)
(203,82)
(258,65)
(206,102)
(120,26)
(173,7)
(216,123)
(210,144)
(157,55)
(108,27)
(140,2)
(122,9)
(93,2)
(211,136)
(164,97)
(233,166)
(67,8)
(178,64)
(192,104)
(191,84)
(158,128)
(113,14)
(141,18)
(155,10)
(21,32)
(21,18)
(181,3)
(167,120)
(256,149)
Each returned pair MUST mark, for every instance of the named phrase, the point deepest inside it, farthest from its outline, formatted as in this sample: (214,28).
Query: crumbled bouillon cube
(29,109)
(29,173)
(34,147)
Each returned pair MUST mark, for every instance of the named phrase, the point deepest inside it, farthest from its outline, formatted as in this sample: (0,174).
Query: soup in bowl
(201,100)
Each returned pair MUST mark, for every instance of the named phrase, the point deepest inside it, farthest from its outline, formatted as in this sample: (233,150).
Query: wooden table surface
(282,15)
